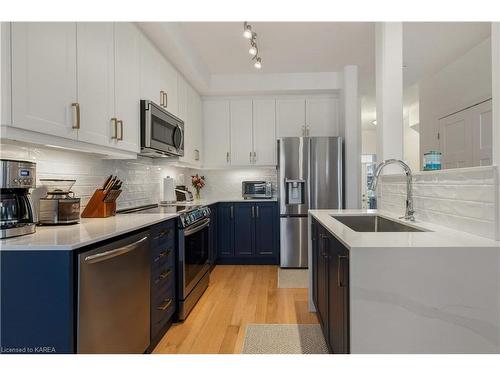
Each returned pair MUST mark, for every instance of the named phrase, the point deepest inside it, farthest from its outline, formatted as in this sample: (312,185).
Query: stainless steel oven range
(193,258)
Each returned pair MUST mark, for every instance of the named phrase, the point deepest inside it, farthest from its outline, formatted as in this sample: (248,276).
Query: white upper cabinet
(44,77)
(264,132)
(313,116)
(291,117)
(158,78)
(185,115)
(168,78)
(216,133)
(322,116)
(241,132)
(192,124)
(127,86)
(95,52)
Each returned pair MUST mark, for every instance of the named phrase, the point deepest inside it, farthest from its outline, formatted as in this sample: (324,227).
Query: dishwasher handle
(96,258)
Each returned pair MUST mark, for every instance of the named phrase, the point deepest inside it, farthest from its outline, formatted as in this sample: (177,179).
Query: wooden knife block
(96,207)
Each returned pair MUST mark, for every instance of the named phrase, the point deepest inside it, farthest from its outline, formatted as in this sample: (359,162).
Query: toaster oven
(256,190)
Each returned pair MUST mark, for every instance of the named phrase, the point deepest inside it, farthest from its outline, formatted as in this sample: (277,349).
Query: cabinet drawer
(163,254)
(162,233)
(160,317)
(162,275)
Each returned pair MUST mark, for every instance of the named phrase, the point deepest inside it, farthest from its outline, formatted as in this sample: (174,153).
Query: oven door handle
(205,223)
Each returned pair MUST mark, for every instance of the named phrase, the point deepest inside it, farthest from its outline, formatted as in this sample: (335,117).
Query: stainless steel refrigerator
(309,177)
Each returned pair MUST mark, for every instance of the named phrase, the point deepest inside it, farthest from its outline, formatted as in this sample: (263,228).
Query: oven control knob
(16,180)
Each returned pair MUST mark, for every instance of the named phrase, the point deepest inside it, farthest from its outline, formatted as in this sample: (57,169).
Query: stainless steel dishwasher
(114,297)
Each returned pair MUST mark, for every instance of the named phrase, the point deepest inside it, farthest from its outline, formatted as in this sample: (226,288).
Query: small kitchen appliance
(256,190)
(183,194)
(60,206)
(16,209)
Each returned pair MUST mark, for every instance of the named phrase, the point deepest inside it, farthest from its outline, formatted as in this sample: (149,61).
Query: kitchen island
(432,291)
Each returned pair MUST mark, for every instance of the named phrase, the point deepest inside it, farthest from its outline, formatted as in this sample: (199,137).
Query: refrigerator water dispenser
(295,190)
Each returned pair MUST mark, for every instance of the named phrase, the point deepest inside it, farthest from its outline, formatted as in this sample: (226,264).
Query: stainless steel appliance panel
(325,178)
(293,238)
(114,297)
(293,165)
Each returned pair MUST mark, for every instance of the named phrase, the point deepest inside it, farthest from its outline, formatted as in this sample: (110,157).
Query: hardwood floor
(237,296)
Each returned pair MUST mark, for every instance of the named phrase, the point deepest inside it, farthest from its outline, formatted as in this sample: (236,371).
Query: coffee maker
(16,208)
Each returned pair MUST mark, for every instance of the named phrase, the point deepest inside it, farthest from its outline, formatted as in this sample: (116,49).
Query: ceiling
(285,47)
(304,47)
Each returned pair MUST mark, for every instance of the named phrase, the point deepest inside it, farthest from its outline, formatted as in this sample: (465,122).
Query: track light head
(247,31)
(258,63)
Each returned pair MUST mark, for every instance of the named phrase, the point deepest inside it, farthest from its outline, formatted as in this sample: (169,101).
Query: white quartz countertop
(436,236)
(90,231)
(87,232)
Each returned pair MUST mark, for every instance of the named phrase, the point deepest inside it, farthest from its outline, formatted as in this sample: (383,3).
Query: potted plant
(198,182)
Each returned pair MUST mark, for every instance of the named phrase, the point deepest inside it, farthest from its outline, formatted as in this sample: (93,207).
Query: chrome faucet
(409,192)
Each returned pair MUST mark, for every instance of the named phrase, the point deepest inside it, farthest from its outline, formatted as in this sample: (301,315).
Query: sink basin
(374,223)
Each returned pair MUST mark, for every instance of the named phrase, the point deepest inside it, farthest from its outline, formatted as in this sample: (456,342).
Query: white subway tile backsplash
(462,199)
(142,177)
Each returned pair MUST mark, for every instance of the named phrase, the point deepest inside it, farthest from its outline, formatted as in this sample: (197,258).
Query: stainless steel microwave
(256,190)
(162,133)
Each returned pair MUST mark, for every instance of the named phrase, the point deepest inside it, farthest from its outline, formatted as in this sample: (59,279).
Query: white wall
(464,82)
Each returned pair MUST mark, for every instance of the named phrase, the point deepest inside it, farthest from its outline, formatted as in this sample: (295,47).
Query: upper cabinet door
(322,117)
(44,77)
(264,131)
(192,124)
(95,51)
(241,132)
(290,117)
(216,133)
(150,73)
(168,78)
(186,116)
(127,85)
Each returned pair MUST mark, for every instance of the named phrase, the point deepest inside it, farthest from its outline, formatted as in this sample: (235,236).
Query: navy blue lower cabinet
(225,230)
(330,268)
(37,302)
(244,229)
(212,256)
(266,229)
(163,279)
(248,233)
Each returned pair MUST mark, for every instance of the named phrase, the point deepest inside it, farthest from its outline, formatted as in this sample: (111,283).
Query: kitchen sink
(374,223)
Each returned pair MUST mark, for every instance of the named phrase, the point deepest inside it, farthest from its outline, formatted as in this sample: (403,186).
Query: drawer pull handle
(163,254)
(163,233)
(165,274)
(166,305)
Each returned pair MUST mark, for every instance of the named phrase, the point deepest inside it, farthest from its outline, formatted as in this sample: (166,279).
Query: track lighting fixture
(248,33)
(258,63)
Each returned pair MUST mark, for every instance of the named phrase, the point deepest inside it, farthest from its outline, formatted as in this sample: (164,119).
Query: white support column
(352,138)
(389,89)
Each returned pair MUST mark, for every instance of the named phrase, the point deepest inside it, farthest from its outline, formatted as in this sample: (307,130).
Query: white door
(216,133)
(482,133)
(241,132)
(455,137)
(127,85)
(196,111)
(44,77)
(95,55)
(168,77)
(150,73)
(290,117)
(264,131)
(322,116)
(186,116)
